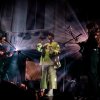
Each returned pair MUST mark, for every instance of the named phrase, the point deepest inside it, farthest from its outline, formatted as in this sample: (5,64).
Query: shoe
(49,95)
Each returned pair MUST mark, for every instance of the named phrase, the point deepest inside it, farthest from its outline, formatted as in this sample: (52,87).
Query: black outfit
(91,58)
(2,60)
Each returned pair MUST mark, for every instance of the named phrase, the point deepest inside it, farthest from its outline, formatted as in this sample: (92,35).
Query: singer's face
(50,38)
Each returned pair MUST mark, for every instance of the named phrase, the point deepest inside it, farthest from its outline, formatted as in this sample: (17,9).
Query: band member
(2,55)
(49,62)
(4,44)
(92,46)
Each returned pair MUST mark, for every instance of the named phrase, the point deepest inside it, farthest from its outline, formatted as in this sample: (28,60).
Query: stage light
(16,49)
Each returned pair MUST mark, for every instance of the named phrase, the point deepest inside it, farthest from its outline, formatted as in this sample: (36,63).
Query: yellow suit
(49,65)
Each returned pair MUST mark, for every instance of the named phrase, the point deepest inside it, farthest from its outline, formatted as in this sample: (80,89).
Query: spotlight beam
(10,44)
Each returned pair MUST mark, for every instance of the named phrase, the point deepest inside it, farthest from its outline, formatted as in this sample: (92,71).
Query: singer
(49,62)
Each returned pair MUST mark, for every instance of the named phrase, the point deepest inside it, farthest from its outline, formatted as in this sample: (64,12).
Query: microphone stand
(74,38)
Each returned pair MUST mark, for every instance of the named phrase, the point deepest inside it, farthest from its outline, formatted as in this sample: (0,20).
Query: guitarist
(2,55)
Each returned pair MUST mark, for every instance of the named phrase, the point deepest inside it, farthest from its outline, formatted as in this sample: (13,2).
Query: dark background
(86,9)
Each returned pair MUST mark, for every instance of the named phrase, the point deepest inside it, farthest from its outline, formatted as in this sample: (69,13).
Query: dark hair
(0,38)
(90,25)
(51,34)
(41,38)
